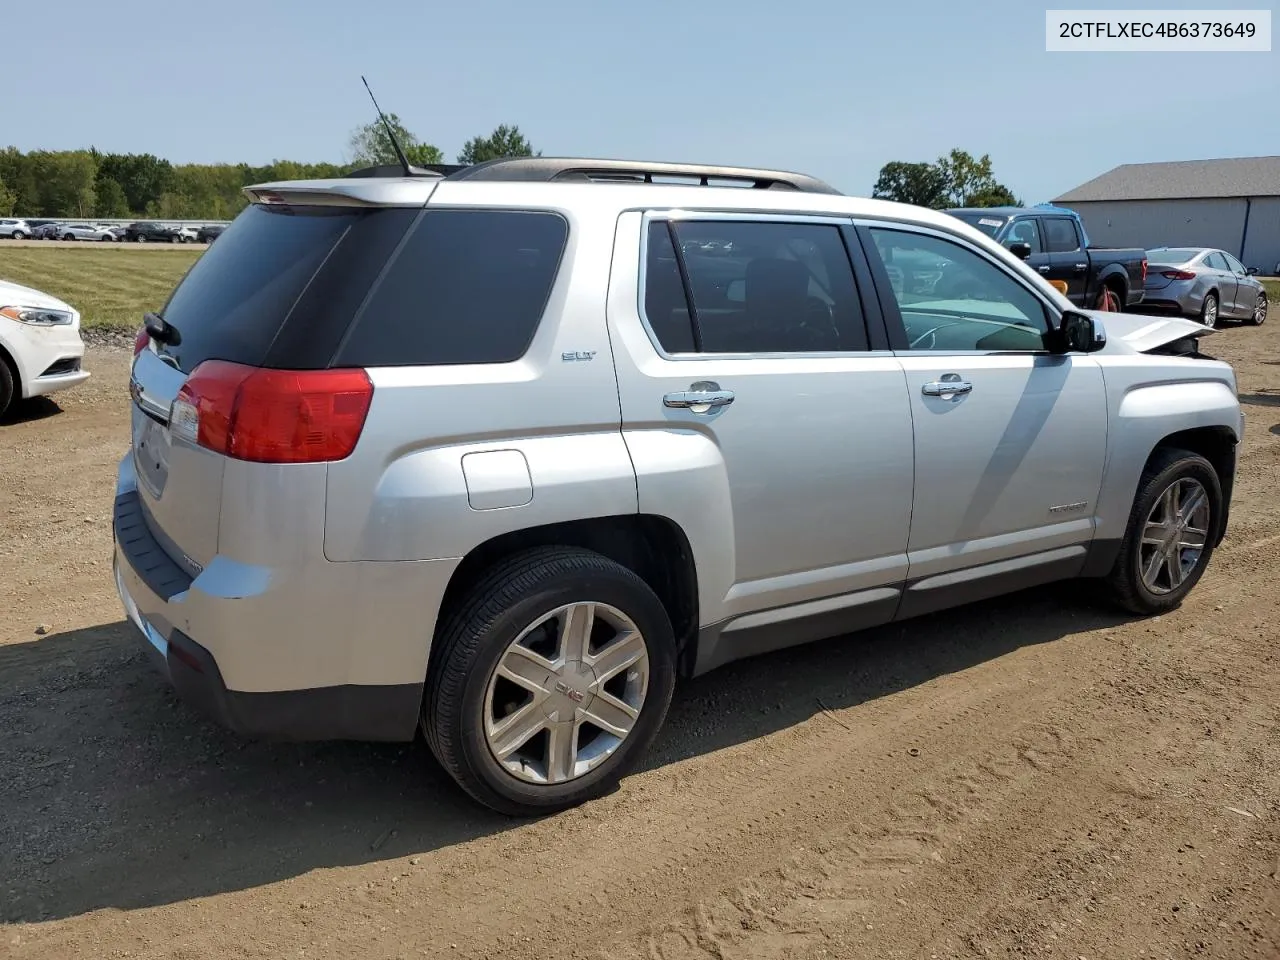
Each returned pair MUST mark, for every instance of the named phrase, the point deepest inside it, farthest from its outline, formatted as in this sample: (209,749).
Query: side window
(1234,265)
(758,287)
(468,286)
(970,304)
(665,305)
(1025,231)
(1060,234)
(1217,261)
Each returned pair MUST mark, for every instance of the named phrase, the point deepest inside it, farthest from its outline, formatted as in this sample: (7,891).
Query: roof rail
(560,169)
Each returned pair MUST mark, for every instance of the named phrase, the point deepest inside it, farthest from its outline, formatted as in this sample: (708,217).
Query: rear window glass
(1172,254)
(1060,234)
(232,304)
(468,286)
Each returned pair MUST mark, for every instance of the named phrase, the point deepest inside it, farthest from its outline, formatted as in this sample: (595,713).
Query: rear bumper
(347,712)
(1172,299)
(194,635)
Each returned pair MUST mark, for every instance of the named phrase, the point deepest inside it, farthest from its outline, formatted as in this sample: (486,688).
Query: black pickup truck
(1053,241)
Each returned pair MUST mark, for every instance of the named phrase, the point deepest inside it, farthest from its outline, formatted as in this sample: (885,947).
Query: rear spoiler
(368,191)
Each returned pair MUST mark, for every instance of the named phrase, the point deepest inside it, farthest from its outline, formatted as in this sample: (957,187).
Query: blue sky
(831,88)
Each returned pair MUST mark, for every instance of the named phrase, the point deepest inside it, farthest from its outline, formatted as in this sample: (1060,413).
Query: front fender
(1147,414)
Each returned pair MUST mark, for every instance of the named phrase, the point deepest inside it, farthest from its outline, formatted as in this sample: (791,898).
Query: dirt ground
(1035,776)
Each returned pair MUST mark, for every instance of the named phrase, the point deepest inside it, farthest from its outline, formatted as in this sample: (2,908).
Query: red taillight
(1178,274)
(141,340)
(1144,269)
(273,416)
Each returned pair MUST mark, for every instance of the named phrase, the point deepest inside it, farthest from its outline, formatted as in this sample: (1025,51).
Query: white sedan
(84,231)
(40,346)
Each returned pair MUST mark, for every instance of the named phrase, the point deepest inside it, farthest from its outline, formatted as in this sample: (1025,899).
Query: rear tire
(527,603)
(1259,315)
(1209,311)
(1133,583)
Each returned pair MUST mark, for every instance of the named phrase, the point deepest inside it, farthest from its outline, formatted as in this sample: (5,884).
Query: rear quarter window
(468,286)
(235,300)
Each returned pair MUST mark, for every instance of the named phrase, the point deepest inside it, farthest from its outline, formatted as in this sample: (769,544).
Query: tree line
(92,184)
(89,183)
(956,180)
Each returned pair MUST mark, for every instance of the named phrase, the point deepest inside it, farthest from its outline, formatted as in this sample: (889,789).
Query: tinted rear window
(468,286)
(233,303)
(1172,255)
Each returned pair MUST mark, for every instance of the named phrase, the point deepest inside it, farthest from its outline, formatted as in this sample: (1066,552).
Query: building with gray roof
(1232,204)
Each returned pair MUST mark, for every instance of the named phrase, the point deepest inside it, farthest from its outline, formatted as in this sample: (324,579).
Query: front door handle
(1043,268)
(700,397)
(947,388)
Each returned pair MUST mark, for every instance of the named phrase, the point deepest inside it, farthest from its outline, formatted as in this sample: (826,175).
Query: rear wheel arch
(653,547)
(1117,282)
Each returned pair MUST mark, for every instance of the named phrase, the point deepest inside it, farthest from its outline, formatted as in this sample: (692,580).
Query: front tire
(1259,315)
(1209,311)
(548,681)
(7,384)
(1172,530)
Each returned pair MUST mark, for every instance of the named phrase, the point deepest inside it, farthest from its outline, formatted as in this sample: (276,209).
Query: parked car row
(141,232)
(1203,283)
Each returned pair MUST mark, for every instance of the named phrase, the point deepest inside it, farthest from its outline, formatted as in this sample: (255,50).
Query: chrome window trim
(677,214)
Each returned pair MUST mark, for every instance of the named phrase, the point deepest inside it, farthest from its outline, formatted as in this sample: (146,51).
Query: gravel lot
(1035,776)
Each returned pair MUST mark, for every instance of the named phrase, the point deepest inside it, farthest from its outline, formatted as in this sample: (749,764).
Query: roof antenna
(395,144)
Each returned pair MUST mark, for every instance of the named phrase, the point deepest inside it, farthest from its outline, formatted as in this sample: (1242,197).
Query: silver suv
(502,454)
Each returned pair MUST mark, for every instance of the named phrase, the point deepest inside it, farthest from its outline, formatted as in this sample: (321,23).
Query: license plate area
(151,450)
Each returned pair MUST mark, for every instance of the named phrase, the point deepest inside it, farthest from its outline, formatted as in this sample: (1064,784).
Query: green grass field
(110,284)
(1273,291)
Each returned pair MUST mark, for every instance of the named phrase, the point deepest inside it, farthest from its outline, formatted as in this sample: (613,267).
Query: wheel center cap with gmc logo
(570,690)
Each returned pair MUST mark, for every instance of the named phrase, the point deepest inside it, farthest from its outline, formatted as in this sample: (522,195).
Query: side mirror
(1020,249)
(1252,271)
(1077,333)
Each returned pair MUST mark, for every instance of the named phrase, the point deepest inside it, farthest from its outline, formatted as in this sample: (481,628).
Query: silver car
(12,229)
(1205,283)
(502,455)
(84,231)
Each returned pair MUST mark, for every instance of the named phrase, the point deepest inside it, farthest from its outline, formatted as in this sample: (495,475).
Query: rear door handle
(700,397)
(1081,267)
(946,388)
(1043,268)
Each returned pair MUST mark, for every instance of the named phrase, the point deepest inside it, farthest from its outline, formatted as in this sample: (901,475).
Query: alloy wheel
(1174,536)
(566,693)
(1210,313)
(1260,309)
